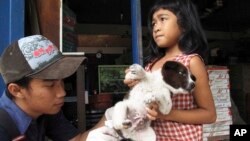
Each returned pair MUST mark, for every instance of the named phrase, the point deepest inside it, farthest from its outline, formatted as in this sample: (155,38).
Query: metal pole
(136,31)
(11,25)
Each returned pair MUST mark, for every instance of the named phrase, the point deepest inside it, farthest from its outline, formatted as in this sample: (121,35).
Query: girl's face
(166,31)
(43,97)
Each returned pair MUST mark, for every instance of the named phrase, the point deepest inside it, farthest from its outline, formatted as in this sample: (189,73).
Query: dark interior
(219,15)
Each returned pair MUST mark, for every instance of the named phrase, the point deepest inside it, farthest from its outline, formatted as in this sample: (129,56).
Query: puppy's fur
(129,115)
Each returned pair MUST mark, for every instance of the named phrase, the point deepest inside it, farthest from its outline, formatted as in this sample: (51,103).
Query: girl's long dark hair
(192,40)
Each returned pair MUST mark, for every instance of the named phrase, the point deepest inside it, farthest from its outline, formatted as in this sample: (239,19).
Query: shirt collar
(21,119)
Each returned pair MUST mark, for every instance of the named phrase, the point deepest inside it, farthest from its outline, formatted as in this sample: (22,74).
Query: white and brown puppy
(129,116)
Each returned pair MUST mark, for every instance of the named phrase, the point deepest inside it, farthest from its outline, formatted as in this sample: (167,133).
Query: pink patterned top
(174,131)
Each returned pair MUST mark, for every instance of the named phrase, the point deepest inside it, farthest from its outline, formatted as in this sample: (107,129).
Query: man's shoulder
(54,120)
(3,134)
(58,125)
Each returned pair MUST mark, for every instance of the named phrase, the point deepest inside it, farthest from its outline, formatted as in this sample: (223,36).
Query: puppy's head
(178,77)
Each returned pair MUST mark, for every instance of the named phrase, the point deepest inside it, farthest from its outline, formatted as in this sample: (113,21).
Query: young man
(33,70)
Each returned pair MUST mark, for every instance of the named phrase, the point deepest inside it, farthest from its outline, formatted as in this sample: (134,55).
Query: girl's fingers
(152,113)
(130,82)
(151,117)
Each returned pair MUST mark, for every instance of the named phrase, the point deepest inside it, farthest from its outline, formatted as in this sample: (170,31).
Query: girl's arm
(205,112)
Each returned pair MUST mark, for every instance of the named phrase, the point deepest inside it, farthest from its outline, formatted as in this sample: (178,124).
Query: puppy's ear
(170,65)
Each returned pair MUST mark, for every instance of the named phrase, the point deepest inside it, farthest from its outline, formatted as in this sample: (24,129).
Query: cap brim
(61,69)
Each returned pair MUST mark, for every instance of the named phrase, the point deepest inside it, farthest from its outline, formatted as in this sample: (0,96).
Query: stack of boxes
(220,87)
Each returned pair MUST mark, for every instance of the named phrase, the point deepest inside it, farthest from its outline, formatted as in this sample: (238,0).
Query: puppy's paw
(117,125)
(149,99)
(123,124)
(165,108)
(136,72)
(127,123)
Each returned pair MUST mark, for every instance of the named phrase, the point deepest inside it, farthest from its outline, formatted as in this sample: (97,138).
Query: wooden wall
(48,17)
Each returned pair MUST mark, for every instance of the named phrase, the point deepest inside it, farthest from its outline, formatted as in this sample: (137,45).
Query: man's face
(42,97)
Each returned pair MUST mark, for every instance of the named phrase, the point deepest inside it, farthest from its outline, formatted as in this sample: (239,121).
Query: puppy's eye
(182,73)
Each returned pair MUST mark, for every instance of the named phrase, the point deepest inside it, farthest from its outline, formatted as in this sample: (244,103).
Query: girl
(177,35)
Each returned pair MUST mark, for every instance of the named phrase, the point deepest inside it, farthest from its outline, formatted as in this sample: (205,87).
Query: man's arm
(83,136)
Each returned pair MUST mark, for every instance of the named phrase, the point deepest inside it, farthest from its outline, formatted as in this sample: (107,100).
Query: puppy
(129,116)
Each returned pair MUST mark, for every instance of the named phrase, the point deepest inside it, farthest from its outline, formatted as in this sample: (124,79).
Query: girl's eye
(163,18)
(153,24)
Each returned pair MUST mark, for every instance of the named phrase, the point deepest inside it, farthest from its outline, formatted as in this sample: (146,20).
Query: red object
(101,101)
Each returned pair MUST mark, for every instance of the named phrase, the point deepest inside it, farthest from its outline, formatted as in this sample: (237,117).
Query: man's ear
(15,90)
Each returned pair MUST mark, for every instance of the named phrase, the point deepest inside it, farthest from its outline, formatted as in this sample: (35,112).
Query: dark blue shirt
(56,127)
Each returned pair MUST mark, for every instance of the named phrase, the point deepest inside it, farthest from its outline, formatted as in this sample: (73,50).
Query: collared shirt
(56,127)
(21,119)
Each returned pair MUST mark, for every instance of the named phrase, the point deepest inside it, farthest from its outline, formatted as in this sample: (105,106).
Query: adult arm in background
(100,132)
(83,136)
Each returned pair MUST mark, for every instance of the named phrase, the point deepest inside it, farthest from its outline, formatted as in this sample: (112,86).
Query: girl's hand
(130,82)
(153,112)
